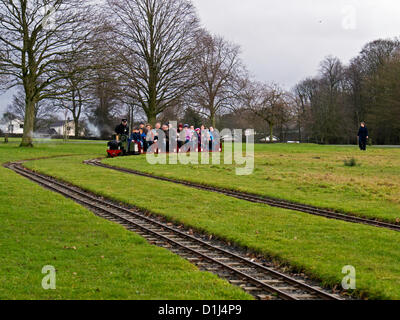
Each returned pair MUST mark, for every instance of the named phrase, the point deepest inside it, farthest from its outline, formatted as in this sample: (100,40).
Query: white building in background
(58,128)
(268,139)
(63,127)
(12,127)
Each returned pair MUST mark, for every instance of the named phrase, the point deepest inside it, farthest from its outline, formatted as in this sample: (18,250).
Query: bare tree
(217,71)
(43,109)
(340,97)
(354,78)
(325,96)
(332,72)
(74,90)
(155,44)
(108,99)
(300,109)
(31,45)
(375,54)
(269,103)
(107,104)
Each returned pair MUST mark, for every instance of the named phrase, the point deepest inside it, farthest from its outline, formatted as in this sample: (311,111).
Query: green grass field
(320,247)
(94,258)
(309,174)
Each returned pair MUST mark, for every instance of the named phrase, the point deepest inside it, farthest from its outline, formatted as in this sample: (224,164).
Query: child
(135,136)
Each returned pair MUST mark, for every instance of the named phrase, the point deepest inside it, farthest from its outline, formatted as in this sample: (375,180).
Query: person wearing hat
(123,128)
(122,135)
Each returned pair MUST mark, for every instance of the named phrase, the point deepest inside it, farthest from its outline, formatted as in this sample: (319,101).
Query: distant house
(268,139)
(15,126)
(62,128)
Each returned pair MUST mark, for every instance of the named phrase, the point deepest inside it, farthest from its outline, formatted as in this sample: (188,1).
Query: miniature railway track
(260,281)
(259,199)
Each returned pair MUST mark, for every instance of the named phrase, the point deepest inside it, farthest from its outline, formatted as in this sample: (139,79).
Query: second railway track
(258,199)
(261,281)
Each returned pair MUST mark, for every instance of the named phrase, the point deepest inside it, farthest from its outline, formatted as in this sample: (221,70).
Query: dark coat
(363,133)
(166,133)
(122,130)
(136,137)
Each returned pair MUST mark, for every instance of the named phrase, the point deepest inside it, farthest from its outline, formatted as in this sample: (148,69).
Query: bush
(351,163)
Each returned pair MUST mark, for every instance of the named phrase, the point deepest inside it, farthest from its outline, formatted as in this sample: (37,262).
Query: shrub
(351,163)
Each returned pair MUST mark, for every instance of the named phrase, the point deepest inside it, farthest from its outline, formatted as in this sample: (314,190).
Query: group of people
(184,138)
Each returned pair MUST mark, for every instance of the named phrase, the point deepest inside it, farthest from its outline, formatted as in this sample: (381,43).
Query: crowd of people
(187,138)
(184,138)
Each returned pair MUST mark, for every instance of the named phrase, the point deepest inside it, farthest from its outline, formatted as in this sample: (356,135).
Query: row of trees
(332,104)
(98,60)
(95,61)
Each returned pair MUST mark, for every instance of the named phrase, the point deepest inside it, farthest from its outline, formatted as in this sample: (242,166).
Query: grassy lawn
(94,258)
(310,174)
(321,247)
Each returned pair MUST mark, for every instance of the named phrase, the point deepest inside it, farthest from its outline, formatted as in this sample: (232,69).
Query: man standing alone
(363,137)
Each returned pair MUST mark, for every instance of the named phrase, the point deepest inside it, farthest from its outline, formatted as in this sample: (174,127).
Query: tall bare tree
(268,102)
(327,107)
(155,42)
(217,71)
(301,110)
(74,91)
(34,37)
(108,97)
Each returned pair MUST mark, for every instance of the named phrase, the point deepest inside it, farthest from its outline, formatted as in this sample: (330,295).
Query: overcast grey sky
(285,40)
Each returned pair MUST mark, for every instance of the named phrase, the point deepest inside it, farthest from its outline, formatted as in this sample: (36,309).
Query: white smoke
(93,130)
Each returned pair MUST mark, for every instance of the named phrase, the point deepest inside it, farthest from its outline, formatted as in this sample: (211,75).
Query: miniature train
(123,147)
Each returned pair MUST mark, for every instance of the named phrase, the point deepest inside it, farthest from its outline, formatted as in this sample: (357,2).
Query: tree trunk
(271,133)
(212,119)
(299,127)
(29,123)
(76,121)
(151,118)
